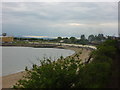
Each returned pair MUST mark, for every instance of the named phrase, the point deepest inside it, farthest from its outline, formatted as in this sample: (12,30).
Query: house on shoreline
(6,39)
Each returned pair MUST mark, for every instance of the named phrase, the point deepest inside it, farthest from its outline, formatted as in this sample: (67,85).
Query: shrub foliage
(71,73)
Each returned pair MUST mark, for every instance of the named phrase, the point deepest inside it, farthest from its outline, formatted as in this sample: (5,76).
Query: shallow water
(15,59)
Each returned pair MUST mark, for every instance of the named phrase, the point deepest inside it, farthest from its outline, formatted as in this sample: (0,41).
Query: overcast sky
(59,19)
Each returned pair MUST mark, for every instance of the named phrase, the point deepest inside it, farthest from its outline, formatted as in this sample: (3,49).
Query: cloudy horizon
(59,19)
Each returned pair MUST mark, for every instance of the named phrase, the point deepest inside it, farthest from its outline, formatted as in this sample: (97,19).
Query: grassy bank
(71,73)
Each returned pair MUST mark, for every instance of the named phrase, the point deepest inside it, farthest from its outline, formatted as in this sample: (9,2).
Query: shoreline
(9,80)
(57,45)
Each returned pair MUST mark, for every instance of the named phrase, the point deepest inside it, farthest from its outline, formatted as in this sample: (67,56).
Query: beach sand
(10,80)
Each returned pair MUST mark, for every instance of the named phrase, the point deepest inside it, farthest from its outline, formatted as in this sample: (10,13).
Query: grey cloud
(42,17)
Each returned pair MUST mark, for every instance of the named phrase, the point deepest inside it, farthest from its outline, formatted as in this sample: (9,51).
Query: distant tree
(59,38)
(4,34)
(91,38)
(82,37)
(66,40)
(109,37)
(72,39)
(83,40)
(100,37)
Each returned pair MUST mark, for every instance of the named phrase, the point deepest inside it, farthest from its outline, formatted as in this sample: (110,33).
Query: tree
(72,39)
(82,37)
(100,37)
(66,40)
(91,38)
(83,40)
(4,34)
(59,39)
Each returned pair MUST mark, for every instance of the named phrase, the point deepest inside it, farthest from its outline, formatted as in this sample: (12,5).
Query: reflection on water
(15,59)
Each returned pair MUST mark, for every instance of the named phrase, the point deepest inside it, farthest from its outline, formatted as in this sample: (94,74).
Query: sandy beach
(10,80)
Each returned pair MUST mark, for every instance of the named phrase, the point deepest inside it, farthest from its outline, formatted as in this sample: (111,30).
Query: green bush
(60,74)
(106,49)
(70,73)
(94,75)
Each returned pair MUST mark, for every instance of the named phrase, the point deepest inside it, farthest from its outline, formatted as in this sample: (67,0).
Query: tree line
(92,39)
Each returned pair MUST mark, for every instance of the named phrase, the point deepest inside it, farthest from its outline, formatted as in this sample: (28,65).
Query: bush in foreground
(70,73)
(61,74)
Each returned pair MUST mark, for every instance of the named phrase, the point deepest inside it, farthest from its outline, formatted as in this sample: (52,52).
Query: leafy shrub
(70,73)
(94,75)
(62,74)
(106,49)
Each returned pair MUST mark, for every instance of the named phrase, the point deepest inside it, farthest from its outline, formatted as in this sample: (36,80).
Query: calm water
(15,59)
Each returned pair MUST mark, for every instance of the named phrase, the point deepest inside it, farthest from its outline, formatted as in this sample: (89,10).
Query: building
(6,39)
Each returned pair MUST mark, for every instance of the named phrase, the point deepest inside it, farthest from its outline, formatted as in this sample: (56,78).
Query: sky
(54,19)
